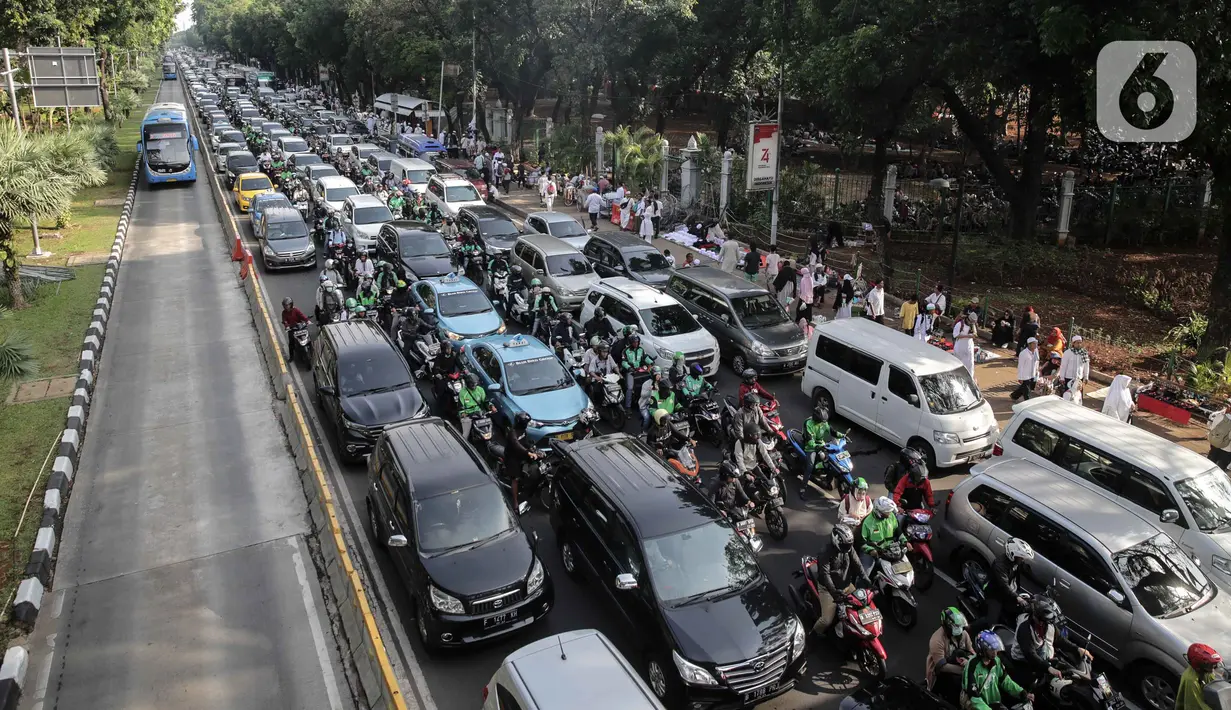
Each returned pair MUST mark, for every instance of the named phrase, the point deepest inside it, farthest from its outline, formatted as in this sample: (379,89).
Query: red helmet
(1202,657)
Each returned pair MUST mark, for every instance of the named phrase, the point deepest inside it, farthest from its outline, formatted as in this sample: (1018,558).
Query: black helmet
(1045,610)
(820,412)
(910,456)
(752,399)
(600,313)
(287,302)
(918,472)
(634,340)
(664,386)
(727,469)
(471,380)
(566,317)
(521,421)
(515,269)
(842,537)
(749,375)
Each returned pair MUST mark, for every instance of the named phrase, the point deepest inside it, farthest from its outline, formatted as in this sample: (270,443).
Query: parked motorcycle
(893,577)
(859,625)
(917,527)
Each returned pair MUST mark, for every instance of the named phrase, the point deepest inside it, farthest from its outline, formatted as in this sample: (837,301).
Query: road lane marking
(314,624)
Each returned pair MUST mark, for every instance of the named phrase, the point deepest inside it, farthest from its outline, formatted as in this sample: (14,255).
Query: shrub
(16,358)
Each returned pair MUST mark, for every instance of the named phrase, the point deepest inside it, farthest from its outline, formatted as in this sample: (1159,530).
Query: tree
(39,174)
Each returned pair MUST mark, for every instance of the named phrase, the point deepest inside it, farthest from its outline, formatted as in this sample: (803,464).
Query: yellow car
(248,185)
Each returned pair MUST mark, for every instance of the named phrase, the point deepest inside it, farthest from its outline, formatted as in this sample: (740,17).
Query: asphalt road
(455,680)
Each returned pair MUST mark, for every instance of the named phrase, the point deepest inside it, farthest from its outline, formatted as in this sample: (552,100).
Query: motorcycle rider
(678,370)
(363,266)
(386,278)
(598,363)
(816,434)
(838,569)
(878,530)
(545,309)
(446,363)
(331,273)
(328,303)
(750,384)
(335,237)
(856,504)
(948,651)
(566,331)
(599,326)
(471,401)
(1204,664)
(662,397)
(621,344)
(633,359)
(350,306)
(398,300)
(908,479)
(749,425)
(518,451)
(985,681)
(645,399)
(1004,599)
(396,204)
(1036,640)
(291,317)
(728,492)
(694,383)
(367,293)
(448,230)
(663,433)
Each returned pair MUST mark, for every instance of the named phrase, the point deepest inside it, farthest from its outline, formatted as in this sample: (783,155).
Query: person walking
(728,255)
(875,302)
(1220,439)
(543,182)
(752,263)
(908,312)
(1119,403)
(657,215)
(1075,365)
(1027,370)
(594,203)
(938,297)
(646,229)
(964,332)
(924,323)
(784,284)
(1029,329)
(771,267)
(549,194)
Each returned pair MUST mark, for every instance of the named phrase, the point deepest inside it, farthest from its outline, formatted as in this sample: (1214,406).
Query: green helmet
(953,620)
(351,303)
(861,484)
(595,341)
(360,310)
(678,355)
(535,282)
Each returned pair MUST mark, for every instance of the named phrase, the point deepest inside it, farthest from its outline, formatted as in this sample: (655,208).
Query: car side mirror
(1116,596)
(494,387)
(1170,515)
(523,507)
(327,390)
(913,399)
(429,311)
(396,541)
(625,582)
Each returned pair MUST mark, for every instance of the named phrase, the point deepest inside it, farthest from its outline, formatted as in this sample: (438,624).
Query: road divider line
(359,630)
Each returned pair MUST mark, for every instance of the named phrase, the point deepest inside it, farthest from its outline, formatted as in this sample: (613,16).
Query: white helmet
(1018,550)
(328,264)
(327,285)
(884,507)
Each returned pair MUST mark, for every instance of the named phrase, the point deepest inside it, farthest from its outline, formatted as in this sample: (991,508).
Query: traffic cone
(237,254)
(246,266)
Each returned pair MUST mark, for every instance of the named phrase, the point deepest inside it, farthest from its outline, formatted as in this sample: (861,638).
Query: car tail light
(948,500)
(485,693)
(997,450)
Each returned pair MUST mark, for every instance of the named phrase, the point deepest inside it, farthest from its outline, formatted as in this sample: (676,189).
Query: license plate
(901,567)
(564,436)
(844,456)
(760,692)
(172,180)
(867,616)
(778,501)
(500,619)
(1103,685)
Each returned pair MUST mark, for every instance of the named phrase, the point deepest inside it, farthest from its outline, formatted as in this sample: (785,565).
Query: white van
(575,669)
(901,389)
(413,169)
(1159,480)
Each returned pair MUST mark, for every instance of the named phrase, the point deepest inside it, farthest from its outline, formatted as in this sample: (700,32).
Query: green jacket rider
(985,683)
(634,355)
(694,384)
(880,526)
(471,400)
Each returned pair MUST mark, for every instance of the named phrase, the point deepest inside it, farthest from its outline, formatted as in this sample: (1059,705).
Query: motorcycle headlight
(761,349)
(773,490)
(535,580)
(691,673)
(589,414)
(444,602)
(945,437)
(799,639)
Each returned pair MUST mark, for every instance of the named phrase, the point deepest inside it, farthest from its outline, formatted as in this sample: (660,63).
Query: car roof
(639,294)
(380,154)
(552,217)
(413,163)
(427,450)
(241,152)
(317,167)
(871,337)
(454,285)
(451,177)
(1115,527)
(291,137)
(622,241)
(410,226)
(483,212)
(230,144)
(720,281)
(364,200)
(244,176)
(365,146)
(281,213)
(548,244)
(576,667)
(336,181)
(1131,444)
(506,349)
(655,500)
(271,197)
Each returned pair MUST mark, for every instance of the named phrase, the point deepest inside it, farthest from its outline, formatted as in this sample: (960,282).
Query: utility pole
(773,215)
(474,79)
(440,105)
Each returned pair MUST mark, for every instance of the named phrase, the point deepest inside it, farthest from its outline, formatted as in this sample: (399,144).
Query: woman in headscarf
(1119,403)
(807,287)
(1055,342)
(805,319)
(964,331)
(1030,328)
(842,305)
(1002,330)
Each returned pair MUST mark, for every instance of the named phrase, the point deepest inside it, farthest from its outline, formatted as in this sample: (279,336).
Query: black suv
(496,232)
(363,384)
(713,631)
(620,254)
(470,569)
(415,249)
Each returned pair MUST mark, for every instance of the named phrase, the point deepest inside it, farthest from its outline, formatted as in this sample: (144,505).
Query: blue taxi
(522,374)
(458,308)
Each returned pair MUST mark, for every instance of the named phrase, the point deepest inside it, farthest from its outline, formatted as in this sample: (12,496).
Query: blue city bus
(167,145)
(168,70)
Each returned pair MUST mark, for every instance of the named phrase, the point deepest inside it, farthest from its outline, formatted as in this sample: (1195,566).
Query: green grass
(55,323)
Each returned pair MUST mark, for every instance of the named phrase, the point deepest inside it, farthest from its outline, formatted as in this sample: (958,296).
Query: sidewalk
(184,579)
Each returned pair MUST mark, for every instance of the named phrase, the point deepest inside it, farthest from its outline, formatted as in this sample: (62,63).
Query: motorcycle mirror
(1116,596)
(523,508)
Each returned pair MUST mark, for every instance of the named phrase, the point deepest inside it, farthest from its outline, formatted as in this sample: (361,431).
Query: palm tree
(638,155)
(39,174)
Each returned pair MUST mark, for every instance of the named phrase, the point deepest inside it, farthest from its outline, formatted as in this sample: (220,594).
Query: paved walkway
(184,580)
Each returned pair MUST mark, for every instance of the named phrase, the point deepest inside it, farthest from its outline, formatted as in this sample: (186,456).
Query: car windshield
(426,244)
(950,392)
(167,145)
(463,303)
(261,203)
(372,215)
(321,171)
(339,194)
(1208,498)
(255,183)
(498,229)
(240,163)
(369,374)
(307,159)
(462,193)
(294,147)
(1165,581)
(418,177)
(759,311)
(291,229)
(647,261)
(665,321)
(540,374)
(231,137)
(705,561)
(567,228)
(568,265)
(463,518)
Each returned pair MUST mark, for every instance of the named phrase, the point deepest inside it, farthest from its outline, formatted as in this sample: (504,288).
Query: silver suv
(666,327)
(558,265)
(1120,580)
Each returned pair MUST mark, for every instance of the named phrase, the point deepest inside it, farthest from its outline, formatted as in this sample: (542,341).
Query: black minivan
(621,254)
(469,568)
(712,630)
(363,384)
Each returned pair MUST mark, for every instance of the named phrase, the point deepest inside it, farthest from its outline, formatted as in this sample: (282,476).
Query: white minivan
(575,669)
(901,389)
(1187,494)
(416,171)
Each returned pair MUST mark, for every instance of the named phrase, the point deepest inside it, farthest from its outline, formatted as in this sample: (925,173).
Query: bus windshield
(166,145)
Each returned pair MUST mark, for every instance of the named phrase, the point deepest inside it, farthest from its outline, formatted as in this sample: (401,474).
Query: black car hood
(732,629)
(498,564)
(653,278)
(783,335)
(383,407)
(428,266)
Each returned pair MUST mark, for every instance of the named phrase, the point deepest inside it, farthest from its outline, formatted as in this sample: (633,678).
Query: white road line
(314,624)
(44,676)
